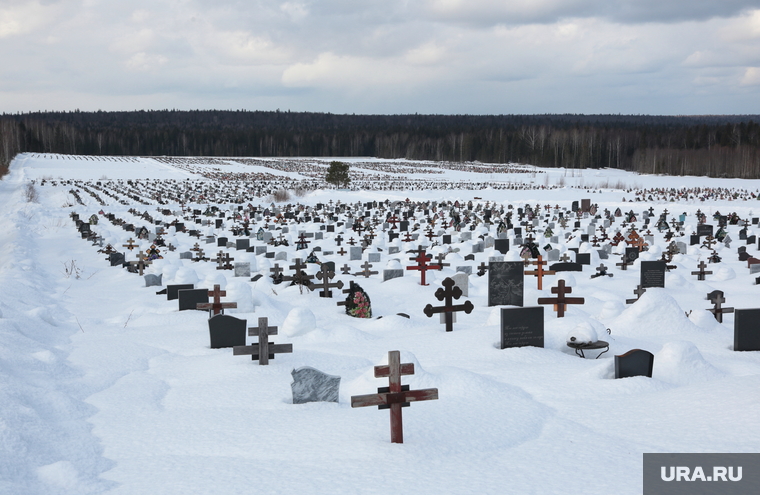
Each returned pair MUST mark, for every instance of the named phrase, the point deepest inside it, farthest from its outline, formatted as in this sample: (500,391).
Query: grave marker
(311,385)
(264,350)
(634,363)
(522,327)
(505,283)
(652,274)
(226,331)
(747,330)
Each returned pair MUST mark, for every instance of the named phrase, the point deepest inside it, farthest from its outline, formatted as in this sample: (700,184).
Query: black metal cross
(448,293)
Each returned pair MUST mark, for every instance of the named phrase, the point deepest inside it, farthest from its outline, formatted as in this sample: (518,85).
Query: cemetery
(533,313)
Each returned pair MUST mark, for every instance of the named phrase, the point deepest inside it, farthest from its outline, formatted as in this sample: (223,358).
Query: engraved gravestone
(522,327)
(747,330)
(226,331)
(634,363)
(652,274)
(704,230)
(311,385)
(501,245)
(505,283)
(631,254)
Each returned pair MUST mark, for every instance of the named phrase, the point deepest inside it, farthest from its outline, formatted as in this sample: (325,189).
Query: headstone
(389,274)
(505,283)
(652,274)
(704,230)
(260,250)
(187,255)
(373,257)
(311,385)
(226,331)
(462,280)
(221,242)
(393,249)
(281,256)
(566,267)
(355,253)
(634,363)
(465,236)
(242,244)
(152,280)
(754,268)
(603,255)
(747,330)
(495,259)
(501,245)
(522,327)
(583,258)
(465,269)
(172,291)
(631,254)
(116,259)
(552,255)
(190,298)
(242,270)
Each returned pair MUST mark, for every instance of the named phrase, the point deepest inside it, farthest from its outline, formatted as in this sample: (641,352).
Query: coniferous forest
(715,146)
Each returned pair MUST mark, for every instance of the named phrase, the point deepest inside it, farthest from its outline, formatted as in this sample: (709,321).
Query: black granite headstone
(226,331)
(747,330)
(116,259)
(652,274)
(242,244)
(704,229)
(221,242)
(190,298)
(172,291)
(634,363)
(522,327)
(566,267)
(218,222)
(631,254)
(501,245)
(583,258)
(505,283)
(693,240)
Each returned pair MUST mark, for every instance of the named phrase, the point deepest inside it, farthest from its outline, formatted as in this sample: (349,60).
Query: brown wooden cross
(701,272)
(141,262)
(325,275)
(716,297)
(422,265)
(264,350)
(638,291)
(223,261)
(624,263)
(345,269)
(130,244)
(342,251)
(199,256)
(448,293)
(395,396)
(539,272)
(217,306)
(560,302)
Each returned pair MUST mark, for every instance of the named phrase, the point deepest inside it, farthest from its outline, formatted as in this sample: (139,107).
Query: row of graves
(511,246)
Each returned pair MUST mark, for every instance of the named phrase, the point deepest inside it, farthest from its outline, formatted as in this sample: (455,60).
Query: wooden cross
(276,271)
(217,306)
(440,257)
(716,297)
(300,277)
(345,269)
(623,263)
(302,243)
(325,275)
(140,263)
(393,221)
(422,265)
(195,247)
(638,291)
(560,302)
(264,350)
(130,244)
(701,273)
(450,292)
(223,261)
(482,268)
(564,258)
(342,251)
(395,396)
(351,241)
(539,272)
(366,272)
(602,271)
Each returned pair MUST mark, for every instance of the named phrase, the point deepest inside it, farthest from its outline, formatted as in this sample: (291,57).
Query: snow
(106,388)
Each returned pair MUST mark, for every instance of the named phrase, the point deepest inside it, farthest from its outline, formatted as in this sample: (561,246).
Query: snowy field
(105,387)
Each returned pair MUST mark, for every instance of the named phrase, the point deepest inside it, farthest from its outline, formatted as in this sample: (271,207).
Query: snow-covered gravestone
(312,385)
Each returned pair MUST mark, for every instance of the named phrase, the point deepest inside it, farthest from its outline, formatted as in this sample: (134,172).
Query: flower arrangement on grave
(312,258)
(357,303)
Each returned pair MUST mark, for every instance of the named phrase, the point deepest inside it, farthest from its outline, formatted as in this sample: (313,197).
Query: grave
(242,244)
(522,327)
(652,274)
(226,331)
(560,302)
(395,396)
(747,330)
(448,293)
(634,363)
(217,306)
(172,291)
(152,280)
(311,385)
(243,269)
(264,350)
(505,283)
(191,298)
(355,253)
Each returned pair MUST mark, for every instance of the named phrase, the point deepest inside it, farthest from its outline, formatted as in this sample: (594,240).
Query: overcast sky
(383,56)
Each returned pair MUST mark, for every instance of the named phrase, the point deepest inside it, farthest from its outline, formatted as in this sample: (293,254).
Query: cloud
(751,77)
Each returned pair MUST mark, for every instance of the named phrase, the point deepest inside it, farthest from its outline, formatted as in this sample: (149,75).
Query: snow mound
(299,321)
(186,276)
(655,313)
(240,292)
(680,362)
(725,273)
(583,333)
(610,309)
(213,279)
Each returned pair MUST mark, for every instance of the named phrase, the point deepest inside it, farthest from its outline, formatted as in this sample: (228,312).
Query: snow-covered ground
(105,387)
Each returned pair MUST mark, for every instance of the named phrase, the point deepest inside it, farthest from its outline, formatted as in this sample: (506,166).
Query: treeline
(717,146)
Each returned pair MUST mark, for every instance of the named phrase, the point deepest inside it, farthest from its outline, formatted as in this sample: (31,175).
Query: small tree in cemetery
(337,174)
